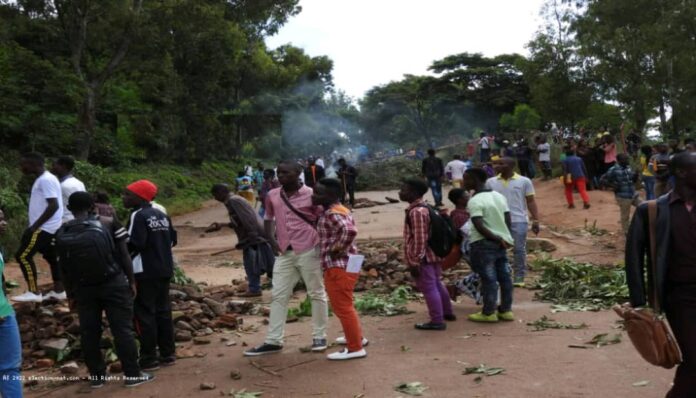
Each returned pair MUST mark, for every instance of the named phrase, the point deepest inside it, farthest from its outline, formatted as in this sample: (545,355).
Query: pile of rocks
(384,268)
(50,332)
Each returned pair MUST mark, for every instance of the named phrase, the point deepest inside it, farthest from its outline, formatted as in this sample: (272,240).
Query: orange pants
(339,286)
(580,185)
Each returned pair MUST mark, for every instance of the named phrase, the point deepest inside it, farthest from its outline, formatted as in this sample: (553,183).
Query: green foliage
(523,119)
(385,305)
(303,310)
(578,286)
(180,277)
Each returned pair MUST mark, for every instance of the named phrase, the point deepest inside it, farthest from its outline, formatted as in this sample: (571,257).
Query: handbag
(647,327)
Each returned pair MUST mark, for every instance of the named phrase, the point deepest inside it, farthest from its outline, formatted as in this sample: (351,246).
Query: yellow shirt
(644,164)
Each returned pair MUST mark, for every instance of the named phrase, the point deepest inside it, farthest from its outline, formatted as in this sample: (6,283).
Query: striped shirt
(337,232)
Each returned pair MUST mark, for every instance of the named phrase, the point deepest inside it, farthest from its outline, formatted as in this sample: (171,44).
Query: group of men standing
(100,266)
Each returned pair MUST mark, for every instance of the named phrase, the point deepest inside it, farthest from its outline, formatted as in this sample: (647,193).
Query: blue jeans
(10,358)
(436,188)
(519,234)
(490,261)
(649,183)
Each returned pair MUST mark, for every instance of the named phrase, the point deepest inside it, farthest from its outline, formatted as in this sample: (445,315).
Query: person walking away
(519,193)
(609,148)
(269,182)
(660,162)
(152,237)
(484,148)
(313,173)
(290,212)
(455,171)
(675,277)
(544,150)
(633,143)
(347,174)
(589,159)
(45,217)
(251,237)
(433,170)
(96,264)
(575,177)
(490,237)
(524,156)
(622,179)
(424,264)
(63,168)
(10,343)
(102,205)
(337,233)
(647,171)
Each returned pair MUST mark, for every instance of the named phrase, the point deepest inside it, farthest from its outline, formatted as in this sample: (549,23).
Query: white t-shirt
(484,143)
(516,190)
(46,187)
(456,168)
(544,156)
(68,187)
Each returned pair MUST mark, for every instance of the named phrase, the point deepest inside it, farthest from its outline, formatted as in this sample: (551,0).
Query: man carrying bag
(671,278)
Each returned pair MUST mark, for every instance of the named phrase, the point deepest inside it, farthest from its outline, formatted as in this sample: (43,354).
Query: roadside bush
(386,174)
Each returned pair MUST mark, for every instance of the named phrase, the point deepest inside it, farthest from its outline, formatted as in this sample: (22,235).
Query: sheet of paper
(137,264)
(355,262)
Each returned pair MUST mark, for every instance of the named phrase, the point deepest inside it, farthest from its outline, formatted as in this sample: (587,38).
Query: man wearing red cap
(151,239)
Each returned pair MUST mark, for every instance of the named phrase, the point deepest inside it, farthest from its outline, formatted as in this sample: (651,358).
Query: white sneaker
(345,355)
(58,296)
(342,341)
(28,297)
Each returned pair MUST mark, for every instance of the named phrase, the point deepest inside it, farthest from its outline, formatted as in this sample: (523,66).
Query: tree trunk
(663,117)
(87,122)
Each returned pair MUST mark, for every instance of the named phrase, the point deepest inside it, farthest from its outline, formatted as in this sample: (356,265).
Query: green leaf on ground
(547,323)
(484,370)
(415,388)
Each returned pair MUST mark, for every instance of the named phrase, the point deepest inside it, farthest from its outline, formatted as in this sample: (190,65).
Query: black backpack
(442,235)
(86,250)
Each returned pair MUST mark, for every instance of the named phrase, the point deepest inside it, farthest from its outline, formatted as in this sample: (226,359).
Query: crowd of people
(305,232)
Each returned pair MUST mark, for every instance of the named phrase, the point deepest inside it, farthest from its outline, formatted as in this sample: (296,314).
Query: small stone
(182,325)
(116,367)
(207,386)
(184,353)
(220,355)
(69,368)
(230,343)
(44,363)
(217,307)
(201,341)
(176,315)
(183,335)
(201,355)
(372,273)
(235,374)
(54,344)
(536,244)
(177,294)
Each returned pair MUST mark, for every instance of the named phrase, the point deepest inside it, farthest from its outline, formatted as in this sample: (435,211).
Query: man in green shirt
(10,344)
(490,237)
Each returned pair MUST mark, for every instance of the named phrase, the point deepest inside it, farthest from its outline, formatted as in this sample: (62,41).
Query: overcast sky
(373,42)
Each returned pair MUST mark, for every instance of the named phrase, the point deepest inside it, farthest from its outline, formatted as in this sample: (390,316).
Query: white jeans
(288,270)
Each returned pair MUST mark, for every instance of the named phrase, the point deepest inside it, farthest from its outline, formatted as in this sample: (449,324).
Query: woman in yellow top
(647,174)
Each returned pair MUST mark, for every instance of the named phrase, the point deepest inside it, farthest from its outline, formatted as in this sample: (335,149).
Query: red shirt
(291,230)
(336,229)
(416,234)
(459,217)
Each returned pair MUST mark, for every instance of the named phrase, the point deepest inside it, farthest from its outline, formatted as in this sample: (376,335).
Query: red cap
(144,189)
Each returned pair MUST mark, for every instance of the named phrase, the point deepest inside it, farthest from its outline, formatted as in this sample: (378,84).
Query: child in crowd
(337,233)
(425,265)
(460,199)
(490,237)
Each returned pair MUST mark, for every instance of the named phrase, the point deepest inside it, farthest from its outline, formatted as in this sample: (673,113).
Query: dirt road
(537,364)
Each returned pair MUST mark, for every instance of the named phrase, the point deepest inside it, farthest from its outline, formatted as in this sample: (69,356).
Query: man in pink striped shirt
(290,212)
(424,264)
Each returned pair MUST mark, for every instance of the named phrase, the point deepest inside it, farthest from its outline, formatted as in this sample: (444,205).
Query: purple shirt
(291,230)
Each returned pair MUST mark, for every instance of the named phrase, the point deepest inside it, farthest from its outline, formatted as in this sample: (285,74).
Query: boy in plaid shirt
(337,234)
